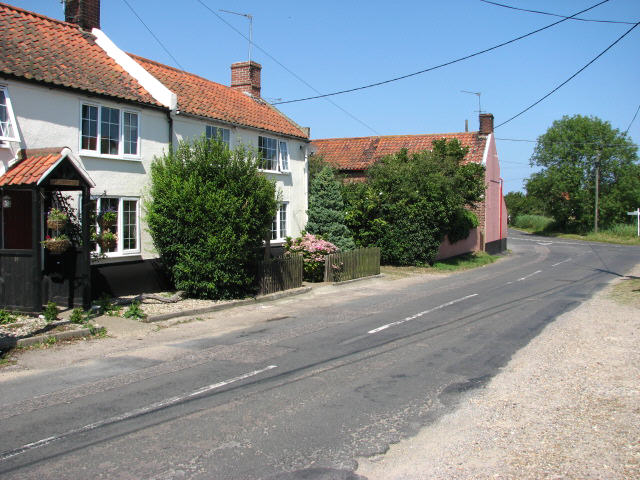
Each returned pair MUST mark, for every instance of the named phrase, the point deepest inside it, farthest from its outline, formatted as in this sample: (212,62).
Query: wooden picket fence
(342,266)
(277,274)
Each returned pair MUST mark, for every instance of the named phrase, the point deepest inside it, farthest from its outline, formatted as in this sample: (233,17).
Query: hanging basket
(56,223)
(107,242)
(57,245)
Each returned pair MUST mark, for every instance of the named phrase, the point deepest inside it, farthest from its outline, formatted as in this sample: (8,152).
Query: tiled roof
(37,164)
(202,97)
(30,170)
(35,47)
(359,153)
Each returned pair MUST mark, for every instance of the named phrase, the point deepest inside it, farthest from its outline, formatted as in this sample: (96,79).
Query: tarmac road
(327,380)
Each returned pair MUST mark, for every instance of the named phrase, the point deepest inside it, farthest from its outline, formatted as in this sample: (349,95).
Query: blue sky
(337,45)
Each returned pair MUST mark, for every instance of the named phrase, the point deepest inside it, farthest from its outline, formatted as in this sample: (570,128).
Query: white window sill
(117,258)
(126,158)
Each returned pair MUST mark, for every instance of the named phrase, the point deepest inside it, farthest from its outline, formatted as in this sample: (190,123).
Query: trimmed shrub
(209,210)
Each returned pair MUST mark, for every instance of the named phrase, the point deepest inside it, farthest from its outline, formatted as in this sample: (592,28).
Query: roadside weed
(135,311)
(6,317)
(107,307)
(51,312)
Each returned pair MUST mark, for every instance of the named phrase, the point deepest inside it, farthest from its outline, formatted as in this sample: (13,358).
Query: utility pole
(595,228)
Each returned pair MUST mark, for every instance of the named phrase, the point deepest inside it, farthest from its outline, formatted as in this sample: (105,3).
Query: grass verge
(627,292)
(459,263)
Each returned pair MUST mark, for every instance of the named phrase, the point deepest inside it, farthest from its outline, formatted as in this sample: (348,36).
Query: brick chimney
(486,123)
(245,76)
(84,13)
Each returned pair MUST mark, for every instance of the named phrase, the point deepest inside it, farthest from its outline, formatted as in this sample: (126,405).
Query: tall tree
(326,210)
(570,153)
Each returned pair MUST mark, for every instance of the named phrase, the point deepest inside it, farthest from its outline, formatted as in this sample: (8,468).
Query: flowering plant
(313,250)
(107,218)
(57,245)
(56,219)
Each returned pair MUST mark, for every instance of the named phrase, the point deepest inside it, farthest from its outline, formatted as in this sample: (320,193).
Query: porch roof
(37,164)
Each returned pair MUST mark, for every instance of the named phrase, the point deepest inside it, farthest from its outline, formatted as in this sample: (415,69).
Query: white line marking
(417,315)
(131,414)
(527,276)
(563,261)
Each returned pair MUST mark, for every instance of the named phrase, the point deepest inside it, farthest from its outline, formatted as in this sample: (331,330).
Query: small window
(284,157)
(110,131)
(268,149)
(125,228)
(130,126)
(279,223)
(221,134)
(7,120)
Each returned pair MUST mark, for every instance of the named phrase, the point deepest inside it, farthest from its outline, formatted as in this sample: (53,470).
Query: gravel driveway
(565,406)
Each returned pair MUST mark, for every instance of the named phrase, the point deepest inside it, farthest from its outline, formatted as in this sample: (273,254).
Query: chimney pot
(84,13)
(245,77)
(486,123)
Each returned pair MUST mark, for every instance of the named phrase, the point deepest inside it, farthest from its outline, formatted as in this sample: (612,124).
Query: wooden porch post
(36,235)
(86,254)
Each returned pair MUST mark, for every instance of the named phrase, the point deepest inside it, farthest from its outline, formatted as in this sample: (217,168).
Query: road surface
(301,396)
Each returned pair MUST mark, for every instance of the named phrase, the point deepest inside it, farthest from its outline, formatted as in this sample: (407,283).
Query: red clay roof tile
(204,98)
(36,47)
(359,153)
(29,170)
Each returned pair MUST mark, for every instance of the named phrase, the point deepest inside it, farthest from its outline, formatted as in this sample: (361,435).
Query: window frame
(283,208)
(120,251)
(11,118)
(121,155)
(208,132)
(279,161)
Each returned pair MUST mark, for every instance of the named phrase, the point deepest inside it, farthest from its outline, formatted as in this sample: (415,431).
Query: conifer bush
(208,211)
(326,210)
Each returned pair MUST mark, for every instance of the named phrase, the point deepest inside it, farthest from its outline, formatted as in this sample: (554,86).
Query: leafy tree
(520,204)
(410,202)
(208,211)
(326,210)
(568,153)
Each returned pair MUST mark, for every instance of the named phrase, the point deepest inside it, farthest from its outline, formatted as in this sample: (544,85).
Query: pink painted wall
(495,208)
(470,244)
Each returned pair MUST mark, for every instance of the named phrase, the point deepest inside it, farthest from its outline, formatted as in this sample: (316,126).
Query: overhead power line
(451,62)
(632,120)
(554,14)
(285,68)
(154,35)
(570,78)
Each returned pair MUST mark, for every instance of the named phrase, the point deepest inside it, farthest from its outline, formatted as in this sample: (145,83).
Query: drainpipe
(171,131)
(500,206)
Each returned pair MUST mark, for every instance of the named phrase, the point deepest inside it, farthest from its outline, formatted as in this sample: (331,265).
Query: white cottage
(65,87)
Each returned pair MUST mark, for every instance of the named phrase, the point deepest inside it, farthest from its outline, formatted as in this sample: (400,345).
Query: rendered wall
(292,185)
(49,117)
(495,209)
(470,244)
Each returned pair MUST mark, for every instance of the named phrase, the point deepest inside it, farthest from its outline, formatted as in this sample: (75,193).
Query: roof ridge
(164,65)
(44,17)
(394,136)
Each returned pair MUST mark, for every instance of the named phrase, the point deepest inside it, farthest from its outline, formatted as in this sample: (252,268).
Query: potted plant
(57,245)
(107,240)
(107,218)
(56,219)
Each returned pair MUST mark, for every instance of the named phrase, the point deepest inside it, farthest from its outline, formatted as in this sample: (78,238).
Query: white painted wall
(293,185)
(49,117)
